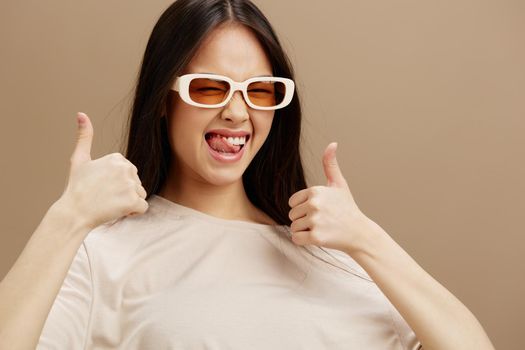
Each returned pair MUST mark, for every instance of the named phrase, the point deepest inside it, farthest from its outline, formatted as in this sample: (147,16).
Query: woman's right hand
(103,189)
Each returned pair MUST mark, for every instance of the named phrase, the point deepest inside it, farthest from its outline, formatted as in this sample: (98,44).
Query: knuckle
(130,184)
(122,168)
(313,191)
(314,204)
(120,159)
(115,155)
(112,158)
(133,167)
(314,218)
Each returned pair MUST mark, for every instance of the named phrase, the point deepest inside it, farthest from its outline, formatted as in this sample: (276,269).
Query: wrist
(64,213)
(371,236)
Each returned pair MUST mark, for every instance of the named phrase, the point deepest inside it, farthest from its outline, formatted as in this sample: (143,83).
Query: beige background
(426,100)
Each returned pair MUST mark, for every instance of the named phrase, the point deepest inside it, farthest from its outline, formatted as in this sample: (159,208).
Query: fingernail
(80,119)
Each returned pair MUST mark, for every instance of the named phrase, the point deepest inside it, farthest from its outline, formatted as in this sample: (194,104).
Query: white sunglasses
(214,91)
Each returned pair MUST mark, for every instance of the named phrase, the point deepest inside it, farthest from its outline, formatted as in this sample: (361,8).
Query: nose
(236,110)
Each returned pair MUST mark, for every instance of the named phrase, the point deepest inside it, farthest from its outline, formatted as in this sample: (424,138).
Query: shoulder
(124,235)
(132,227)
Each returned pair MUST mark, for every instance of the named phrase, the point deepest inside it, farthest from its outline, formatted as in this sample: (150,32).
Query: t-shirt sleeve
(406,335)
(67,323)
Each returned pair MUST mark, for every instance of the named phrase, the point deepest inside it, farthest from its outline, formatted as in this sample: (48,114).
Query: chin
(224,177)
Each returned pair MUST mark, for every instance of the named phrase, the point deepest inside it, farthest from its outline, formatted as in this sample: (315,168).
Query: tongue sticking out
(219,144)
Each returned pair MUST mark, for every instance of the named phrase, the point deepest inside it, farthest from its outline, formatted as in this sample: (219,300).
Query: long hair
(276,171)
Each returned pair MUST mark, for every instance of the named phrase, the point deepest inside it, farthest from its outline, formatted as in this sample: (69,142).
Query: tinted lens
(208,91)
(266,93)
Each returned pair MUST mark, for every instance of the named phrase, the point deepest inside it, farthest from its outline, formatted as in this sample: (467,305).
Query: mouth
(226,150)
(226,144)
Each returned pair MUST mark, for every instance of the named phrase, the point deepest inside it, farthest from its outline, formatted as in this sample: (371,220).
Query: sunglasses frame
(182,84)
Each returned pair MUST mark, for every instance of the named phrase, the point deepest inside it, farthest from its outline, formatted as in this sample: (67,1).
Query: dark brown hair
(276,171)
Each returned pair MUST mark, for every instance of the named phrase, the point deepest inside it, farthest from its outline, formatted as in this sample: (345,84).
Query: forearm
(30,287)
(438,318)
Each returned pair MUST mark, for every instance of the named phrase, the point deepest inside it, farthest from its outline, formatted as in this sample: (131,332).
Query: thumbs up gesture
(103,189)
(328,215)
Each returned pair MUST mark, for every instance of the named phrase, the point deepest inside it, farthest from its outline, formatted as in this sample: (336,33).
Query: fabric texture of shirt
(178,278)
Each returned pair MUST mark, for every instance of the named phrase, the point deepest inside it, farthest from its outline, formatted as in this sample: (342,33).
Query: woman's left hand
(327,215)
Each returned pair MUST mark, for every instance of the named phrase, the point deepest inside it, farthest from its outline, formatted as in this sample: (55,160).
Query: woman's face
(235,52)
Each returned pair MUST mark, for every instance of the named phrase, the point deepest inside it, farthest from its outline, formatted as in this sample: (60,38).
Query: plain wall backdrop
(426,101)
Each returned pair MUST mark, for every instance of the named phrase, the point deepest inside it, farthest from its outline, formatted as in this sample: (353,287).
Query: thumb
(82,152)
(331,168)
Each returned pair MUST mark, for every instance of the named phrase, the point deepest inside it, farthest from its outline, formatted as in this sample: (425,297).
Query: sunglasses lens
(266,93)
(214,91)
(208,91)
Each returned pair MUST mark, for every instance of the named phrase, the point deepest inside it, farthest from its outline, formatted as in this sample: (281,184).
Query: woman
(197,239)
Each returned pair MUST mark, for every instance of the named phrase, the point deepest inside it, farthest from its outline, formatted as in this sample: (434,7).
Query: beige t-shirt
(177,278)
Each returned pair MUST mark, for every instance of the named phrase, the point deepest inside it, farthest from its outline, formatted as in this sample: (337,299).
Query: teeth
(235,140)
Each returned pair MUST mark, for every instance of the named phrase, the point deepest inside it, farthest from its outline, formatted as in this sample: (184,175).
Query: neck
(226,201)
